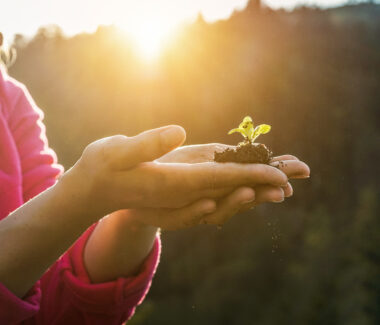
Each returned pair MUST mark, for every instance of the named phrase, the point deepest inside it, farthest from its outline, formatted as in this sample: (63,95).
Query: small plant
(247,152)
(248,131)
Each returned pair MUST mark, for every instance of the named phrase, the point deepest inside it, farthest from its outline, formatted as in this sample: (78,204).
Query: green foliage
(249,131)
(308,72)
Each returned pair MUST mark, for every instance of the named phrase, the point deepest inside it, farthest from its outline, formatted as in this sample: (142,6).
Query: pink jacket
(64,294)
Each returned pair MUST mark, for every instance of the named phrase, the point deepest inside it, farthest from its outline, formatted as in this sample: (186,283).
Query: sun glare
(149,37)
(150,40)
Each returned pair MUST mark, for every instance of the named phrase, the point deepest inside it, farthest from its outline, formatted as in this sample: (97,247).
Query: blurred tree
(313,75)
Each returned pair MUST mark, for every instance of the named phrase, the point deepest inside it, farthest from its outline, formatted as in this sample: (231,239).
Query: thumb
(146,146)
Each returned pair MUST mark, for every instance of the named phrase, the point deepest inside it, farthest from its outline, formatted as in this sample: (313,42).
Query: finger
(288,190)
(126,152)
(267,193)
(284,157)
(172,219)
(193,154)
(192,214)
(213,193)
(264,194)
(211,175)
(292,168)
(168,185)
(224,191)
(229,206)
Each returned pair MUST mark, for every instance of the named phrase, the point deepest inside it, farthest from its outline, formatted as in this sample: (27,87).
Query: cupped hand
(119,172)
(228,207)
(240,199)
(208,211)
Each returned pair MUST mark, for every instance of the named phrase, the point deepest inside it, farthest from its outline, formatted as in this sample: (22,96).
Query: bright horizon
(147,22)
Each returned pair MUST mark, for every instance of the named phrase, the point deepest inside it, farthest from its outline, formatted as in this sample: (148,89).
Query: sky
(148,22)
(25,16)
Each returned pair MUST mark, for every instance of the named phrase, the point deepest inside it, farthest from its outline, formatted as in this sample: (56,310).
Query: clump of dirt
(246,153)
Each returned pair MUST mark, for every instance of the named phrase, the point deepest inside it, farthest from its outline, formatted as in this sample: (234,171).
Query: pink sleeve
(14,310)
(64,295)
(69,297)
(68,292)
(38,169)
(38,162)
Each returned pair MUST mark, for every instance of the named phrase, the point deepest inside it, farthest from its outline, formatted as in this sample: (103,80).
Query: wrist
(72,187)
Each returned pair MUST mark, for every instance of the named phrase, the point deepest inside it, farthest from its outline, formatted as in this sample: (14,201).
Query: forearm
(35,235)
(117,247)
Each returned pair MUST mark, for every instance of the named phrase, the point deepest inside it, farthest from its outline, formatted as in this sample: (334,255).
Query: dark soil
(246,153)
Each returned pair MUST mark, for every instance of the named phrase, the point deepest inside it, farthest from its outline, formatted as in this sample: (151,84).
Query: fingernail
(300,176)
(172,136)
(278,200)
(247,201)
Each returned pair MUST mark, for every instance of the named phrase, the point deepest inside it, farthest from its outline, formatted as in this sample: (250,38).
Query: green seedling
(248,131)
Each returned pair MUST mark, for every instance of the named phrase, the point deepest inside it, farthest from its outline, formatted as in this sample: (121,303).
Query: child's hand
(118,173)
(201,212)
(231,204)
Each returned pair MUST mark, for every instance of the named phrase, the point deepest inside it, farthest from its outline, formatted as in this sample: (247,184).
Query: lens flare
(150,36)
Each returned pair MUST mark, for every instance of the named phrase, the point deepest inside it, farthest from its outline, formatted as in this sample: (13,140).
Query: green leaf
(247,130)
(247,127)
(246,121)
(260,129)
(263,128)
(237,130)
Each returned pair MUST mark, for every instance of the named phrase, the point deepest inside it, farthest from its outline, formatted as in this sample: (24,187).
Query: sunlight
(150,35)
(150,39)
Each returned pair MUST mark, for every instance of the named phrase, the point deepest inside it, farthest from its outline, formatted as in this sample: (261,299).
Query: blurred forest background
(314,75)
